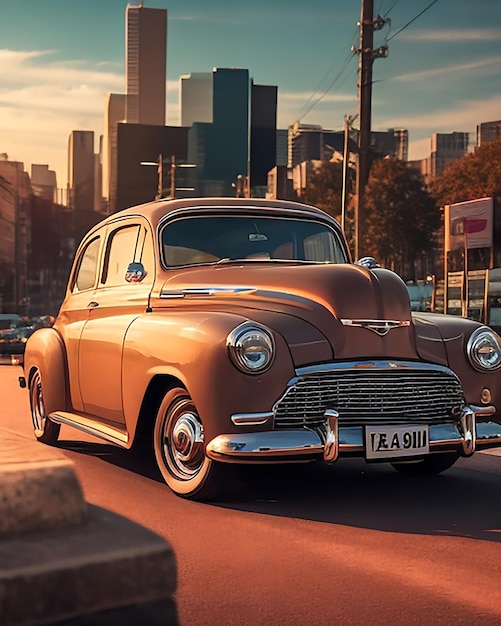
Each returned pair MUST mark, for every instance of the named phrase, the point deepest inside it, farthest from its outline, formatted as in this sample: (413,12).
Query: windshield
(218,239)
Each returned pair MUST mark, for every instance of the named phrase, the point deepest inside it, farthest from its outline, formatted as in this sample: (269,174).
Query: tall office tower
(392,142)
(230,118)
(195,98)
(43,182)
(263,136)
(15,216)
(81,169)
(81,180)
(232,129)
(115,113)
(145,64)
(446,147)
(282,147)
(216,106)
(488,131)
(305,143)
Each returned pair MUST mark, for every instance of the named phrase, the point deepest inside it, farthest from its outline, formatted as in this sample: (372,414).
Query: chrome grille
(370,396)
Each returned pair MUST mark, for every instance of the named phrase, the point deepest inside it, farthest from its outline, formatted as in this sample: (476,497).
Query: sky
(59,60)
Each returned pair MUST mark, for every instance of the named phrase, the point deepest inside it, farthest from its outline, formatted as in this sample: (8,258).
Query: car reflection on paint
(234,330)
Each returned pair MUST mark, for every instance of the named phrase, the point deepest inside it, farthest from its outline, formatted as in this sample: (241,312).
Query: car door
(75,309)
(117,302)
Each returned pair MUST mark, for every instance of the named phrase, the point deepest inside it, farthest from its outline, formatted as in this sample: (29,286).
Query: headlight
(484,350)
(251,348)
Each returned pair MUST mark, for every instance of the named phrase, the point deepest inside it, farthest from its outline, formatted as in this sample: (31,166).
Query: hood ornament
(380,327)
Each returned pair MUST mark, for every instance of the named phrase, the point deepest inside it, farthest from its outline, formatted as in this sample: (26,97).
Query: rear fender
(45,350)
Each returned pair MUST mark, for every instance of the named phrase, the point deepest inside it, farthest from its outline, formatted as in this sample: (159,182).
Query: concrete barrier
(64,561)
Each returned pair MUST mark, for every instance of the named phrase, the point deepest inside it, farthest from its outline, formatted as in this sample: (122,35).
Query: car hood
(347,311)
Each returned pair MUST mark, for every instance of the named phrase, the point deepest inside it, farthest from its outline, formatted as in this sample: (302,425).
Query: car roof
(157,210)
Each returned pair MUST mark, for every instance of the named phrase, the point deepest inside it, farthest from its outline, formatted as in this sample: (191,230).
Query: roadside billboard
(468,256)
(469,224)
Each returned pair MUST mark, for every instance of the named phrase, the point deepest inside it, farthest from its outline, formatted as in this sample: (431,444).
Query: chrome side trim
(251,419)
(206,291)
(87,425)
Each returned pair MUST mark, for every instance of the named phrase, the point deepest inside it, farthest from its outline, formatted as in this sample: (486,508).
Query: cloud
(473,34)
(42,101)
(328,112)
(463,116)
(493,62)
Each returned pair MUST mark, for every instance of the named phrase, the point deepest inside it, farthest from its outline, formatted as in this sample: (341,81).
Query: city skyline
(441,74)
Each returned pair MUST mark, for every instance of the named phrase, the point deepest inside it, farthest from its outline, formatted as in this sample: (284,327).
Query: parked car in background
(13,343)
(14,333)
(239,331)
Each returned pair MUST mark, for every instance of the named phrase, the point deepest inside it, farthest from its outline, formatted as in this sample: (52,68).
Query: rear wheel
(45,429)
(180,449)
(433,464)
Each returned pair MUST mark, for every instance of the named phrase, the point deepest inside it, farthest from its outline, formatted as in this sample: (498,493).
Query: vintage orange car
(235,330)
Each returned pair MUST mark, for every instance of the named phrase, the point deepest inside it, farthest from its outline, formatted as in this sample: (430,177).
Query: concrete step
(66,562)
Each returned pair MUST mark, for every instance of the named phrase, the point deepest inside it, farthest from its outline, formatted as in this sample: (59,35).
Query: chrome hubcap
(183,440)
(36,401)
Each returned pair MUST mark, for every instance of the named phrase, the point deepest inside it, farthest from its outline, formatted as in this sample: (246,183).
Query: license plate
(384,442)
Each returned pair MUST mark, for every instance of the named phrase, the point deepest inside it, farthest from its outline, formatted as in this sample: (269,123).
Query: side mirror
(368,262)
(135,273)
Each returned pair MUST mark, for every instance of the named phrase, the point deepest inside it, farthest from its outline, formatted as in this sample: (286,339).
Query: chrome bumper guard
(464,436)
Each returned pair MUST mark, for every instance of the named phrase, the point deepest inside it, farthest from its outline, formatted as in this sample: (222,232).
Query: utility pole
(367,54)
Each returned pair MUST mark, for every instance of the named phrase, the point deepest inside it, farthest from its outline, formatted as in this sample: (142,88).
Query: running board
(91,427)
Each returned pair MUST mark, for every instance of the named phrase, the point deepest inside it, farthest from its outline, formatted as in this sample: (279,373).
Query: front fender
(191,347)
(45,350)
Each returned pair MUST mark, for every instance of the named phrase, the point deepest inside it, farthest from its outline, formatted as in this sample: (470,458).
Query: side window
(87,267)
(121,250)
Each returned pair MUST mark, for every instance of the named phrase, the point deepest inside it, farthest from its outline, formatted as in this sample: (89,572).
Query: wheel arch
(46,352)
(153,396)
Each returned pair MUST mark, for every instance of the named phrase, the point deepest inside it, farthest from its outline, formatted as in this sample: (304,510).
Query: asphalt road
(312,544)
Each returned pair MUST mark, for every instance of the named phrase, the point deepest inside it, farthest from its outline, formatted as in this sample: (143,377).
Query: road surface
(312,544)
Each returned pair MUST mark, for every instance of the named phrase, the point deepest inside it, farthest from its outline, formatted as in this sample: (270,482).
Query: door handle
(92,305)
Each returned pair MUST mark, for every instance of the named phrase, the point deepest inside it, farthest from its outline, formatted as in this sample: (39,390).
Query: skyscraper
(81,170)
(145,64)
(232,128)
(195,98)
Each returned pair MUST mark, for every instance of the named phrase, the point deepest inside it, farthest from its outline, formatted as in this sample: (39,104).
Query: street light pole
(160,189)
(348,120)
(173,176)
(159,163)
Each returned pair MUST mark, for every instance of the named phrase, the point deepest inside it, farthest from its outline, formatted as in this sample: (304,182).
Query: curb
(64,561)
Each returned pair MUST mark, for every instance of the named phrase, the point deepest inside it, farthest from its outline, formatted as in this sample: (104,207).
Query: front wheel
(179,445)
(433,464)
(45,429)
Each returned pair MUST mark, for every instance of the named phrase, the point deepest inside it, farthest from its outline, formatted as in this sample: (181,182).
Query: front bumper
(464,436)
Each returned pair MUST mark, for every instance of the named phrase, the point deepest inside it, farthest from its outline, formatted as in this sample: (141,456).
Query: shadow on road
(140,460)
(459,502)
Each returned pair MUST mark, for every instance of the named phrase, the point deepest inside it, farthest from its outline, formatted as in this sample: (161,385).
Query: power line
(390,9)
(327,90)
(305,106)
(411,21)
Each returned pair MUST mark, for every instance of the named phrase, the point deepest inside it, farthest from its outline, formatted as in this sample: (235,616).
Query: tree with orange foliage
(476,175)
(401,218)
